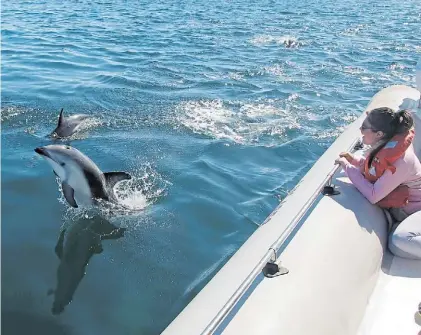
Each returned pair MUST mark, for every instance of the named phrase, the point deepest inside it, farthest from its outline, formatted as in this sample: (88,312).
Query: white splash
(145,187)
(287,41)
(351,31)
(293,97)
(396,66)
(9,112)
(353,69)
(131,197)
(276,70)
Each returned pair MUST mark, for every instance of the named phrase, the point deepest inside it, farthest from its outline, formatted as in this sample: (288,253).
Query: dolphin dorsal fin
(112,178)
(60,118)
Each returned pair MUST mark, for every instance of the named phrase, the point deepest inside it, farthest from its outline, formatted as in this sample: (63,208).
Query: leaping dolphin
(67,126)
(81,179)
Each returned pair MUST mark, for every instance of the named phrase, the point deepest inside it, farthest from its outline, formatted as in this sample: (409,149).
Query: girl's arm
(383,186)
(354,160)
(358,161)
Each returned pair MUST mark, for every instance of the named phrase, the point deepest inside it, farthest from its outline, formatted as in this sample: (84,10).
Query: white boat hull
(334,258)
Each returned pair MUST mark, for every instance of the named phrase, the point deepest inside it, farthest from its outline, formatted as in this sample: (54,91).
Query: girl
(391,174)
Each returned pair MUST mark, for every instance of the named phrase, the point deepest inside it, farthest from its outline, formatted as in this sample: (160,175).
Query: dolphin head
(62,158)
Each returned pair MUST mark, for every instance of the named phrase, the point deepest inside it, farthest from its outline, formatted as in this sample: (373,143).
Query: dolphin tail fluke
(112,178)
(69,193)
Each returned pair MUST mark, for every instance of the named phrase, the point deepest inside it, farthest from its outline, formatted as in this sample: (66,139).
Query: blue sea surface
(216,108)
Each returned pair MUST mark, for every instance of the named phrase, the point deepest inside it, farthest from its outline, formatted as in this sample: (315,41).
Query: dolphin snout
(41,151)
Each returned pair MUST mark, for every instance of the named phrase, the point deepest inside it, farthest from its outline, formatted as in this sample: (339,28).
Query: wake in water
(248,123)
(268,123)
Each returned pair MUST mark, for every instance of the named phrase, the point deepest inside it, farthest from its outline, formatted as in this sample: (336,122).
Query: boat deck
(393,306)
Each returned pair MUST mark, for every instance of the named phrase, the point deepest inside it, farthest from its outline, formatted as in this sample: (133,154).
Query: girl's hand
(341,161)
(349,157)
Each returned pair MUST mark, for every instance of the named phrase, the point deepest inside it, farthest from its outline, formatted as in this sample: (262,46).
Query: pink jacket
(408,172)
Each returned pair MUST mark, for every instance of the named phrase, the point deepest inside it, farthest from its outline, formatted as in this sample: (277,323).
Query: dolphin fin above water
(69,194)
(60,118)
(67,126)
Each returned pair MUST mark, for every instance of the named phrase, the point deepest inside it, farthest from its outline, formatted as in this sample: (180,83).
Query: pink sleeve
(383,186)
(358,161)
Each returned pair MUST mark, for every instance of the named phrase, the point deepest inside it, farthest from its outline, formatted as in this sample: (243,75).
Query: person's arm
(383,186)
(358,161)
(354,160)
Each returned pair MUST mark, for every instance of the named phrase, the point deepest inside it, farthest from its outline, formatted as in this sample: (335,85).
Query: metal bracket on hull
(359,145)
(330,190)
(273,268)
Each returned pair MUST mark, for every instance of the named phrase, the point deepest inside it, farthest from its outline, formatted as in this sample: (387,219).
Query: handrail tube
(229,305)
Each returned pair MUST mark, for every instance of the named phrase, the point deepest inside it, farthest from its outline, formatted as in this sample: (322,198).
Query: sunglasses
(366,125)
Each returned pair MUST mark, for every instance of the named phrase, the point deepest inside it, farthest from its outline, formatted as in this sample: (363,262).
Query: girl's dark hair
(390,123)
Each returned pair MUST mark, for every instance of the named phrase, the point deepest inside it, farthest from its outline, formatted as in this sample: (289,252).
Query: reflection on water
(75,247)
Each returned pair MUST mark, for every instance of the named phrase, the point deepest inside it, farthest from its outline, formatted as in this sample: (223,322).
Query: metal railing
(229,305)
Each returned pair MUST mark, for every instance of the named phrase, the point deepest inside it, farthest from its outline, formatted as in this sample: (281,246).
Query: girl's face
(370,135)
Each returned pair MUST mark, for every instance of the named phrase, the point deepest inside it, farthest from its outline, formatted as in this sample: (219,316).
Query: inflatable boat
(320,263)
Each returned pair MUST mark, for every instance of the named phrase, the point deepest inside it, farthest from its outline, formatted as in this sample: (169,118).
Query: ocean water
(216,108)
